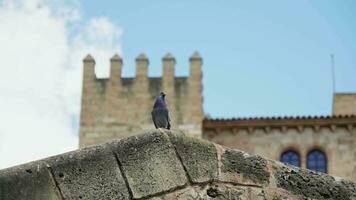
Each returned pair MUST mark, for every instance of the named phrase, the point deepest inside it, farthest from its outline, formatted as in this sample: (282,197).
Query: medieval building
(118,107)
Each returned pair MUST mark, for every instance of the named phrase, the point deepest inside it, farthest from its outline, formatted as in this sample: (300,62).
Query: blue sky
(261,58)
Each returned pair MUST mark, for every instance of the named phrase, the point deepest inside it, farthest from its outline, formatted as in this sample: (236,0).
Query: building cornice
(284,123)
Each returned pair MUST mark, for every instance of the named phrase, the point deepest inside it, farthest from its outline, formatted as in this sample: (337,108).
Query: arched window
(291,157)
(316,160)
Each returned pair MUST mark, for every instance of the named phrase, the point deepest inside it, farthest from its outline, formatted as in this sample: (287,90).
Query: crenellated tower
(117,106)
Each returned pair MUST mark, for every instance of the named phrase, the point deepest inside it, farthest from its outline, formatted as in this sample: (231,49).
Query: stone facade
(271,137)
(165,165)
(118,107)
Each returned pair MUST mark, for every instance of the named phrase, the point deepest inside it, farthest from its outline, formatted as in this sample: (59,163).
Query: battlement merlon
(142,63)
(89,68)
(169,63)
(116,67)
(196,62)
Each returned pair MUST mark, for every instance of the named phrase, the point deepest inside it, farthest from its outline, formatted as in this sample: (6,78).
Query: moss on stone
(198,157)
(252,167)
(90,173)
(313,185)
(31,181)
(150,164)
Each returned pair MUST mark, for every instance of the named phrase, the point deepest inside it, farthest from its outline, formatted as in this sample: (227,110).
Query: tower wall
(117,107)
(344,104)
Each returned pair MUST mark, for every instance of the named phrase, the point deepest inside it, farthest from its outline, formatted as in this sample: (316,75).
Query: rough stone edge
(115,145)
(37,169)
(270,164)
(192,180)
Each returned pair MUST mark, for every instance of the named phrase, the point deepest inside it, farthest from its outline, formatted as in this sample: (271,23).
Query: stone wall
(162,165)
(344,104)
(336,137)
(118,107)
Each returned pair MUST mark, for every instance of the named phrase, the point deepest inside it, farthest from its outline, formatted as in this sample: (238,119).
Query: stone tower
(344,104)
(117,107)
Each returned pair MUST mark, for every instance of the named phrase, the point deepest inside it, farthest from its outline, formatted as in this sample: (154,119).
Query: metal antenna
(333,72)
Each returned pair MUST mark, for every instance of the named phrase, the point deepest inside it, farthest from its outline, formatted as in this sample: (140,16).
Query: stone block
(32,181)
(216,191)
(237,166)
(150,164)
(313,185)
(199,157)
(91,173)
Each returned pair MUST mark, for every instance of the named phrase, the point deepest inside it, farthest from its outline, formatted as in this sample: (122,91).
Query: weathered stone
(216,191)
(243,166)
(344,104)
(199,157)
(147,166)
(312,184)
(32,181)
(117,107)
(91,173)
(150,164)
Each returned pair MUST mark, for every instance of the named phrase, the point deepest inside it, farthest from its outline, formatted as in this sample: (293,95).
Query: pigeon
(160,113)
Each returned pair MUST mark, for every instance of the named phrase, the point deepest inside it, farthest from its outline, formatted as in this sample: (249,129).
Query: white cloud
(41,74)
(101,30)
